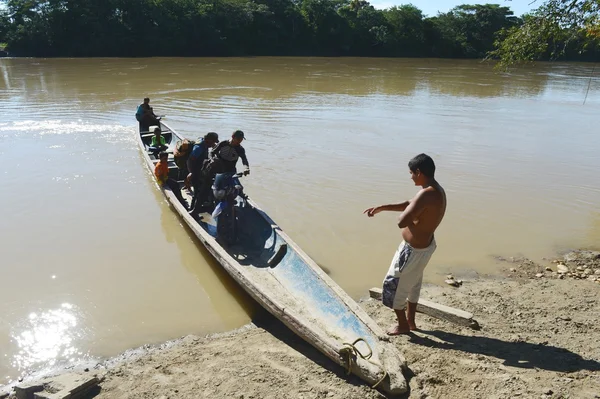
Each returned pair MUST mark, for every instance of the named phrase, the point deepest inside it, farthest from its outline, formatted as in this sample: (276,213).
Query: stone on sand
(562,268)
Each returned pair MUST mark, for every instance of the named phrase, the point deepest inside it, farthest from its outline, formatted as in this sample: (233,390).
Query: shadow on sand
(276,328)
(515,354)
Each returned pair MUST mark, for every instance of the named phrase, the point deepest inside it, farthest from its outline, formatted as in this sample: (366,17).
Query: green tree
(366,27)
(329,30)
(4,26)
(469,30)
(560,28)
(30,28)
(407,31)
(556,28)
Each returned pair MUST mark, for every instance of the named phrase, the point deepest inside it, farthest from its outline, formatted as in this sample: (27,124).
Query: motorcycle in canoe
(282,278)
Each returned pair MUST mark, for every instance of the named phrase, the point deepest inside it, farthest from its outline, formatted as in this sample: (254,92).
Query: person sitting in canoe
(161,171)
(181,153)
(228,152)
(158,143)
(195,163)
(145,115)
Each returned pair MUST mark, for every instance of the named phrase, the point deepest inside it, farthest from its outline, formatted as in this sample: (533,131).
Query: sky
(431,7)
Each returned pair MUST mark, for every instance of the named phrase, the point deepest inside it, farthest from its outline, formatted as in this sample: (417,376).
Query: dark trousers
(201,192)
(197,186)
(146,121)
(174,186)
(156,150)
(182,173)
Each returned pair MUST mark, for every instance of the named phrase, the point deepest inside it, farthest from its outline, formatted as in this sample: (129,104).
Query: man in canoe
(145,115)
(419,219)
(229,151)
(195,162)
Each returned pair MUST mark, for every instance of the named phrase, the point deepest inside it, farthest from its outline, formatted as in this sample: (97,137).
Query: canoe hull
(283,279)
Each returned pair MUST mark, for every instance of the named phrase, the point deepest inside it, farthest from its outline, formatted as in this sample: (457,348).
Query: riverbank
(538,338)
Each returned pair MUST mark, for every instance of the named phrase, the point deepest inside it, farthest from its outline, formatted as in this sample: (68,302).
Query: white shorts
(405,276)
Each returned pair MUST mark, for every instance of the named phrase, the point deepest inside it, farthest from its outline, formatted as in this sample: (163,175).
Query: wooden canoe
(290,285)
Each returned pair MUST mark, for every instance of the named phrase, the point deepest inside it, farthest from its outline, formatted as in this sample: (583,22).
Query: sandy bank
(539,338)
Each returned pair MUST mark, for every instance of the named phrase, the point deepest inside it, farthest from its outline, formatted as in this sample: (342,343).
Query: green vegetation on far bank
(275,27)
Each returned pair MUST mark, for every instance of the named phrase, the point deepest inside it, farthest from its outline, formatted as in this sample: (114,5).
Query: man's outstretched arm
(390,207)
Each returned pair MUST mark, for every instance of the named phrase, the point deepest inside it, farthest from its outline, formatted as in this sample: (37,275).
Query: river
(95,262)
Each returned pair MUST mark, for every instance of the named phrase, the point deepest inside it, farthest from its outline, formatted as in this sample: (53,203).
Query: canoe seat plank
(150,134)
(278,256)
(171,161)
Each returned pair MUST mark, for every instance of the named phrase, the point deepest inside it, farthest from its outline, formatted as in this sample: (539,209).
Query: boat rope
(351,349)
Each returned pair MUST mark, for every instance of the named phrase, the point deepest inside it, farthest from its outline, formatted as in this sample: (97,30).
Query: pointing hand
(372,211)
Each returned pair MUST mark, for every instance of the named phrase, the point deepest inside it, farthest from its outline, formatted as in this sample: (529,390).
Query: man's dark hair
(424,163)
(163,154)
(146,99)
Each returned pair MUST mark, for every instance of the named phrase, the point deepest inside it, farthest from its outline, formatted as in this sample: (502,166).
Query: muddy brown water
(95,262)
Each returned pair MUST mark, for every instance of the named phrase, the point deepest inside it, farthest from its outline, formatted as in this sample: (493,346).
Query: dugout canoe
(283,279)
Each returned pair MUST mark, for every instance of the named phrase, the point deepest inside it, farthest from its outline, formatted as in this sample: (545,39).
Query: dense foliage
(252,27)
(557,29)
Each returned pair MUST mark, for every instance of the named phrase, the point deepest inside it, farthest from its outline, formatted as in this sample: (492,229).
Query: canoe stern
(383,370)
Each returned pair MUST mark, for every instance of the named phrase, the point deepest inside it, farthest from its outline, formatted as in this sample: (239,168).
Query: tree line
(84,28)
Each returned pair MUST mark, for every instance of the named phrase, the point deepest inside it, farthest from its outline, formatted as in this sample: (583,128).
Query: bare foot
(411,310)
(396,330)
(402,327)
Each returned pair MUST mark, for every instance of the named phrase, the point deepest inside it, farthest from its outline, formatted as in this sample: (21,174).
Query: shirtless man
(418,221)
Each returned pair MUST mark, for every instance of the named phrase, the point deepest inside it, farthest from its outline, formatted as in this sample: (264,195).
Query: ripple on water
(101,131)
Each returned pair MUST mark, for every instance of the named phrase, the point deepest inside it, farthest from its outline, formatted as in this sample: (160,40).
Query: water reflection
(467,79)
(5,76)
(47,337)
(211,276)
(81,86)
